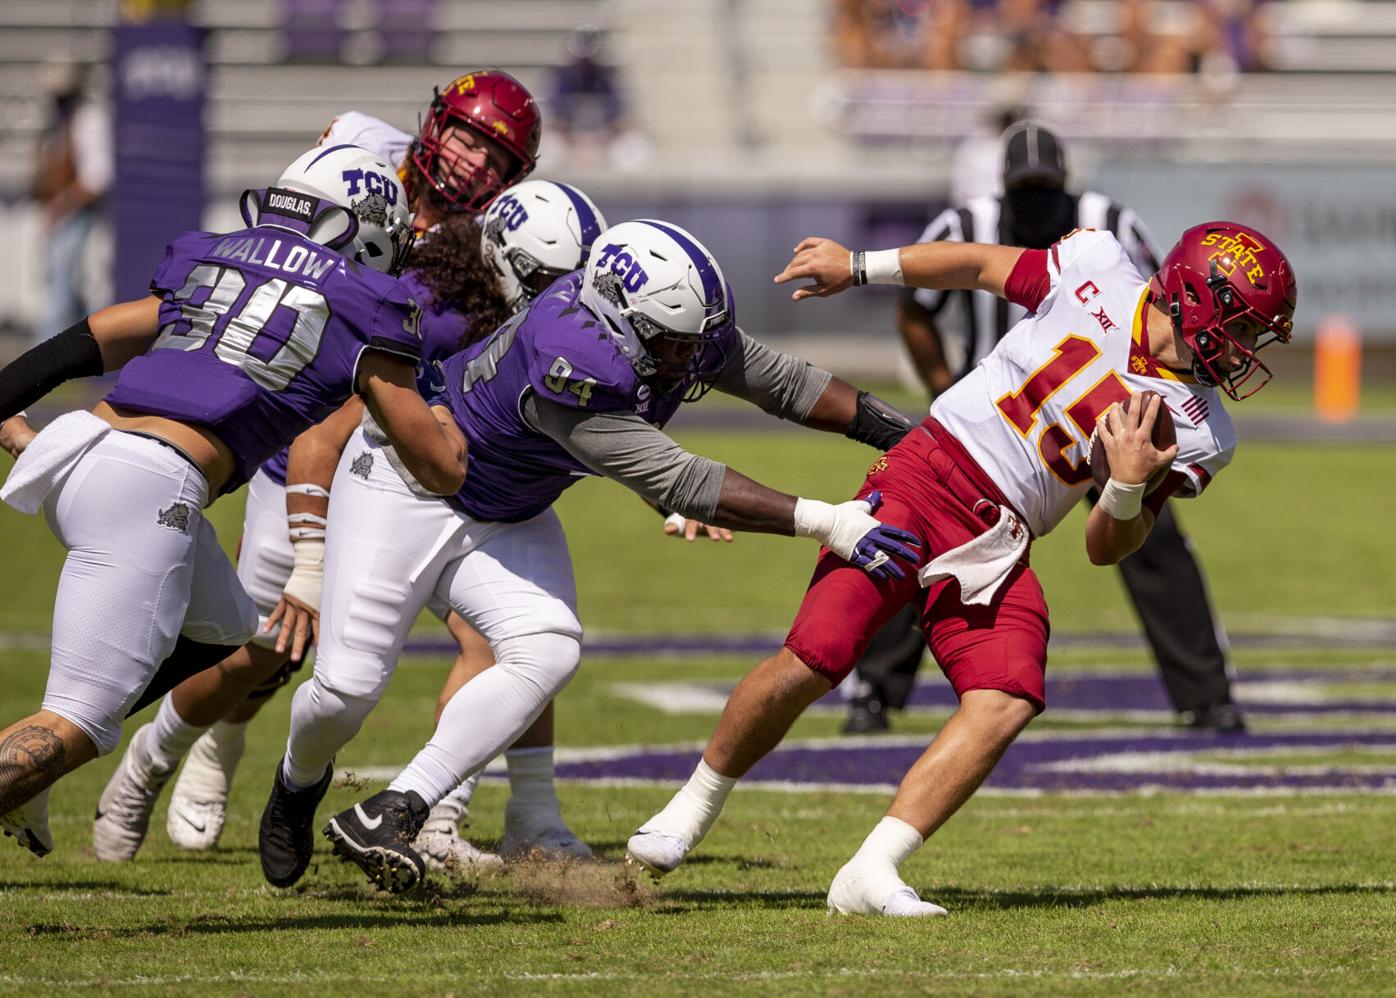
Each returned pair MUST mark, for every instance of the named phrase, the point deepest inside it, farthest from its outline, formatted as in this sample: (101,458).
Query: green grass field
(1161,892)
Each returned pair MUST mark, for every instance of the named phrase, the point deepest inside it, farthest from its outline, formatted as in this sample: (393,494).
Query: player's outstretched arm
(310,468)
(102,342)
(426,439)
(942,266)
(789,387)
(628,450)
(1120,521)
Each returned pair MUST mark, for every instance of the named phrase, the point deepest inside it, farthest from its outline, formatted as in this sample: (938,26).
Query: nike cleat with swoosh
(376,836)
(286,835)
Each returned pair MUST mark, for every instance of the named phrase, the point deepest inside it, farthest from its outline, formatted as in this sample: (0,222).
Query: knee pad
(325,709)
(547,660)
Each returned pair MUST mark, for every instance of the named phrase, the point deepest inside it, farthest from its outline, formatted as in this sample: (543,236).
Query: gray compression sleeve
(628,450)
(780,383)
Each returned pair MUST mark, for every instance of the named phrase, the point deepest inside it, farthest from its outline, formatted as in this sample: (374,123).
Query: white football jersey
(1026,414)
(377,136)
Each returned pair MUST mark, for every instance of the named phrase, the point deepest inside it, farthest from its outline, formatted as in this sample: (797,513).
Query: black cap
(1032,152)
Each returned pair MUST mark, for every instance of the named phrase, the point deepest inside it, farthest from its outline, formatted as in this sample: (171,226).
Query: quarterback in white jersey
(1001,459)
(1027,413)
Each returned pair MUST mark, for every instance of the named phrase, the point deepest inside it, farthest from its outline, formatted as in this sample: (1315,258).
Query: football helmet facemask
(494,108)
(1224,283)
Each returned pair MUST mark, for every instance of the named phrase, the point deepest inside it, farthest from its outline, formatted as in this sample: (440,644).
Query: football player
(248,338)
(581,382)
(1002,458)
(480,134)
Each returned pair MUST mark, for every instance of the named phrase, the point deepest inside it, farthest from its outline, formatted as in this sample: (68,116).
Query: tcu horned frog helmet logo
(1226,285)
(355,205)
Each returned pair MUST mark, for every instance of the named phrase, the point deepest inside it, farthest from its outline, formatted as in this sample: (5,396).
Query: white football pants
(265,554)
(143,567)
(388,552)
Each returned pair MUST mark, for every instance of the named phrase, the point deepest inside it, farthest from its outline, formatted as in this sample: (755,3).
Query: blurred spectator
(72,173)
(1231,36)
(586,109)
(898,34)
(1037,40)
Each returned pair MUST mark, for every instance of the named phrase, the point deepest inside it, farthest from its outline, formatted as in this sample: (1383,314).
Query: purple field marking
(1025,764)
(761,644)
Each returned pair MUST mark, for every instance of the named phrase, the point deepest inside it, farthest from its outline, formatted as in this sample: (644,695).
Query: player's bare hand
(678,525)
(16,434)
(300,626)
(822,261)
(1128,440)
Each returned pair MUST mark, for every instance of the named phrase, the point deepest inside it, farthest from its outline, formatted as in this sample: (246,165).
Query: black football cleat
(1217,718)
(866,716)
(286,834)
(376,836)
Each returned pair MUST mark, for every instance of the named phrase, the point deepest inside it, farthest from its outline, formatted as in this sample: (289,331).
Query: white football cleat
(657,852)
(123,811)
(539,833)
(28,824)
(445,850)
(867,887)
(199,804)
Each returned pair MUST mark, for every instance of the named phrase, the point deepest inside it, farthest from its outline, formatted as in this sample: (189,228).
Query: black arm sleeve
(877,423)
(73,353)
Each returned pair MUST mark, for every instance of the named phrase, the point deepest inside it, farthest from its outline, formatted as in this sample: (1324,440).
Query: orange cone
(1337,369)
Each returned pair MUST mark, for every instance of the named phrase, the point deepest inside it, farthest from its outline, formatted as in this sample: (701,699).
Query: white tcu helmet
(535,232)
(652,283)
(355,205)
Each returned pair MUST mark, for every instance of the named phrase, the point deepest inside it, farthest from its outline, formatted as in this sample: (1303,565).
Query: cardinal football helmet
(1220,275)
(493,106)
(665,300)
(343,197)
(535,232)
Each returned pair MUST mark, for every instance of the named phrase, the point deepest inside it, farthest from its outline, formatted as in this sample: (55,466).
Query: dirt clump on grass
(577,884)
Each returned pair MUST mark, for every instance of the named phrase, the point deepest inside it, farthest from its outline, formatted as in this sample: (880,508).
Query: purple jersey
(559,350)
(443,329)
(260,337)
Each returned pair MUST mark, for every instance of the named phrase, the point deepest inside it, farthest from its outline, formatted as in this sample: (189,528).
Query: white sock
(531,777)
(455,806)
(692,811)
(229,739)
(892,840)
(171,737)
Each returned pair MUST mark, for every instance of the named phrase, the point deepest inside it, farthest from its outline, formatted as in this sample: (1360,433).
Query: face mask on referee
(1038,214)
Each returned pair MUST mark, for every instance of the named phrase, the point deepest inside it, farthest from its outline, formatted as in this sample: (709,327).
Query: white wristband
(813,518)
(307,572)
(883,266)
(1121,501)
(676,520)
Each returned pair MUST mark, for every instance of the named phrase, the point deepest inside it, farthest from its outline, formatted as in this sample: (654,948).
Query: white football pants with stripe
(388,551)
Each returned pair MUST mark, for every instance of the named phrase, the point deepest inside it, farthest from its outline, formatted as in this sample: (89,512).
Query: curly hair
(451,266)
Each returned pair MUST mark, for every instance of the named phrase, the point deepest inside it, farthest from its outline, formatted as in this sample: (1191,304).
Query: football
(1165,435)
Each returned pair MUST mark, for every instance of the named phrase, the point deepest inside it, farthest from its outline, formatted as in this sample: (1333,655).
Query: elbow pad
(878,424)
(73,353)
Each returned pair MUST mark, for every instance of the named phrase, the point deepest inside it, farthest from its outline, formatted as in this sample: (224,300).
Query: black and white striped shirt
(972,322)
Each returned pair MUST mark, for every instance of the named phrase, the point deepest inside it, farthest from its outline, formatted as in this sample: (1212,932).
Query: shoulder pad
(574,360)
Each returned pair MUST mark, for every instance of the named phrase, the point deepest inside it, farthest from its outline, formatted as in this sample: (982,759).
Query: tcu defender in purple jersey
(578,384)
(247,339)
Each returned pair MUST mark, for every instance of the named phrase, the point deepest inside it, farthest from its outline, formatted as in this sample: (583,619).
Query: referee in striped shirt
(948,333)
